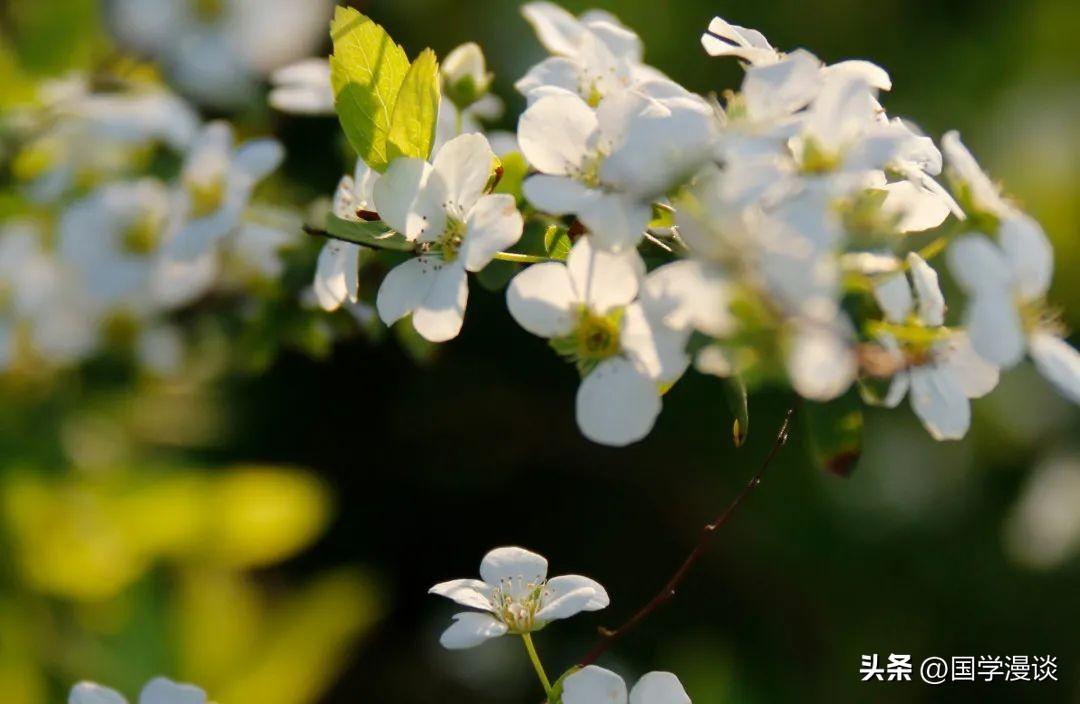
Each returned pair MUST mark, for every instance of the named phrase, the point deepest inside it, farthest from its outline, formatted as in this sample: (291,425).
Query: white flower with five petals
(589,308)
(939,374)
(514,595)
(442,207)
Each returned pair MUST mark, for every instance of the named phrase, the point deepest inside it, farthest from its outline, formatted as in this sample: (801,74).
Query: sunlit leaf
(367,70)
(416,111)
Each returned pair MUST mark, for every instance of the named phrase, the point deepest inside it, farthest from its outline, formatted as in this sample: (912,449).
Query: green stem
(522,258)
(537,665)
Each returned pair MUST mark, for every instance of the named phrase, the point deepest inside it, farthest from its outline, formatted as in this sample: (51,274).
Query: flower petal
(404,288)
(440,315)
(939,402)
(617,221)
(396,193)
(470,629)
(542,299)
(1058,362)
(601,279)
(558,31)
(995,328)
(701,296)
(977,264)
(593,685)
(512,564)
(820,361)
(258,158)
(975,375)
(465,164)
(337,274)
(893,295)
(162,691)
(659,688)
(617,404)
(660,351)
(493,225)
(928,291)
(467,592)
(570,594)
(555,134)
(558,195)
(554,72)
(90,693)
(1029,253)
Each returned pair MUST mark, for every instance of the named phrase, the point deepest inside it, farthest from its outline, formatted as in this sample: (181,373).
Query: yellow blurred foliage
(87,538)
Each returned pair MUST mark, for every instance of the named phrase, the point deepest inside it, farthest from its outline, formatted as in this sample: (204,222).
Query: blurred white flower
(303,88)
(514,595)
(443,208)
(1043,528)
(595,685)
(156,691)
(588,307)
(217,180)
(941,374)
(218,50)
(725,39)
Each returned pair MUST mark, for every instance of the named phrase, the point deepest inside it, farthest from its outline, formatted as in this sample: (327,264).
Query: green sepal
(736,397)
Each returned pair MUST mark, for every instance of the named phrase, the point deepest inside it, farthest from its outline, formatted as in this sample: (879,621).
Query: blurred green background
(134,545)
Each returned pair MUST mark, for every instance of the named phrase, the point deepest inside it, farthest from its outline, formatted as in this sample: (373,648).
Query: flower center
(452,238)
(816,159)
(208,10)
(142,235)
(207,194)
(517,601)
(593,339)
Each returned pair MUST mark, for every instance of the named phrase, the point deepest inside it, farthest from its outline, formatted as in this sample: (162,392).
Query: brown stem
(609,637)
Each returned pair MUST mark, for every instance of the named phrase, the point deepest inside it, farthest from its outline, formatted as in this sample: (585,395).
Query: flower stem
(537,665)
(521,258)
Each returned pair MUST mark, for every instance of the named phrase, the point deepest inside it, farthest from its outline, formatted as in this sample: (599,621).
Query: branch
(609,637)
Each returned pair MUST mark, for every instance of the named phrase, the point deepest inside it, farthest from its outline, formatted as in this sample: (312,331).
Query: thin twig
(609,637)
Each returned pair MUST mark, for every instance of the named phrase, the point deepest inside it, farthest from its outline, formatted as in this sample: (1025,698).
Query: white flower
(820,356)
(595,685)
(607,166)
(588,308)
(337,276)
(218,180)
(156,691)
(1007,280)
(514,595)
(443,208)
(303,88)
(217,51)
(112,239)
(594,56)
(939,374)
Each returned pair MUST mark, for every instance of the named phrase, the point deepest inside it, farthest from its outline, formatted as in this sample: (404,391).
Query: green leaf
(557,243)
(370,234)
(836,432)
(735,395)
(367,70)
(412,124)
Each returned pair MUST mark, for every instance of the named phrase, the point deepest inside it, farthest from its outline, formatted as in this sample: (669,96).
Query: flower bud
(464,75)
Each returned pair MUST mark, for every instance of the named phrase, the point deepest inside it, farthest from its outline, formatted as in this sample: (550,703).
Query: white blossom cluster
(770,237)
(109,246)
